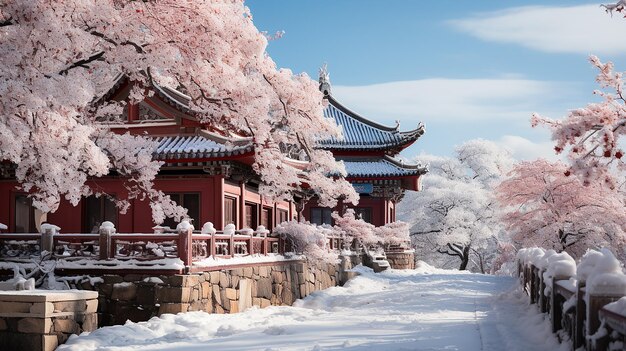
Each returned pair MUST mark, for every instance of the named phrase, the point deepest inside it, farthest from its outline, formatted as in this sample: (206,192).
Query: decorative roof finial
(324,80)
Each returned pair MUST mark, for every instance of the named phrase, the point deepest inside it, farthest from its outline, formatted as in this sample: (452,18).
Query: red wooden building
(367,151)
(211,175)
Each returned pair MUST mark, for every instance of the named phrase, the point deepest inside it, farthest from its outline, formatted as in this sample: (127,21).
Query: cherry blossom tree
(59,57)
(546,208)
(591,135)
(455,214)
(355,228)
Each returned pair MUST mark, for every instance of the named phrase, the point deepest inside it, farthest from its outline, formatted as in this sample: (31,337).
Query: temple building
(367,151)
(210,173)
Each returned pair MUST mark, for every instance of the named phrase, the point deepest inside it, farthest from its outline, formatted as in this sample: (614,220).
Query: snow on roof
(196,146)
(362,134)
(382,167)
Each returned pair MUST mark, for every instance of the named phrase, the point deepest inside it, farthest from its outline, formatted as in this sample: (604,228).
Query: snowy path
(397,310)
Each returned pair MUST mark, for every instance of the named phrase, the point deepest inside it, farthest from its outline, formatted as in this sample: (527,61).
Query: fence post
(185,231)
(47,237)
(579,337)
(107,229)
(595,303)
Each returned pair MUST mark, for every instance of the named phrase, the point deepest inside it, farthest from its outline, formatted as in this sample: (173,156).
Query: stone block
(301,278)
(264,288)
(173,308)
(264,271)
(245,294)
(226,304)
(70,306)
(234,281)
(49,342)
(219,309)
(300,267)
(224,280)
(247,272)
(147,294)
(287,296)
(265,303)
(195,294)
(230,293)
(92,306)
(15,307)
(65,325)
(34,325)
(184,280)
(124,291)
(303,291)
(205,288)
(236,272)
(256,301)
(278,277)
(89,322)
(217,296)
(174,294)
(44,308)
(215,277)
(234,306)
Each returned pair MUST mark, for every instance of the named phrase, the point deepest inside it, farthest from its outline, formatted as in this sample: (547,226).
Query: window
(283,216)
(364,213)
(230,210)
(24,214)
(266,218)
(190,201)
(96,211)
(252,215)
(321,215)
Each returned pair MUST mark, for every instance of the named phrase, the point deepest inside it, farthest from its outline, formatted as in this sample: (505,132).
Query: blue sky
(467,69)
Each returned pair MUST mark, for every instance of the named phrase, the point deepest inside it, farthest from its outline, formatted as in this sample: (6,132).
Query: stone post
(47,237)
(107,229)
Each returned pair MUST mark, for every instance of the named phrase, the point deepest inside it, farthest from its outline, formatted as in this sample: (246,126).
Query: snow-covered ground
(426,309)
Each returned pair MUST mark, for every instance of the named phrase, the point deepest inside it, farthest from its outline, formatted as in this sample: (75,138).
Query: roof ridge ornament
(324,80)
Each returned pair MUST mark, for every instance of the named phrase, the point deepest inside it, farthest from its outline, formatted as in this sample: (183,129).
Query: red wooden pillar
(133,112)
(184,246)
(242,205)
(218,206)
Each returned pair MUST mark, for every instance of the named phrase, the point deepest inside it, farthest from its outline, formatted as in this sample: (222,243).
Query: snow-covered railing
(585,302)
(183,245)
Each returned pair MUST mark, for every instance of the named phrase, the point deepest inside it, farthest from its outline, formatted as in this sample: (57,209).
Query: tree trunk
(465,258)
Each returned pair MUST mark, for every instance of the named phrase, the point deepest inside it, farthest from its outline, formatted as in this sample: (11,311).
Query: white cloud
(524,149)
(582,29)
(453,100)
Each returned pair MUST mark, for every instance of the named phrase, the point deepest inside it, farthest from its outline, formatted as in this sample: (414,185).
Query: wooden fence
(584,318)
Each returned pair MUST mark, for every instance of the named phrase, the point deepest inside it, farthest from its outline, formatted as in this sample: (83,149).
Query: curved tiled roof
(362,134)
(195,146)
(381,167)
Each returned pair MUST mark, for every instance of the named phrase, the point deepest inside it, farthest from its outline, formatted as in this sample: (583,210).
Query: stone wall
(401,260)
(37,320)
(140,297)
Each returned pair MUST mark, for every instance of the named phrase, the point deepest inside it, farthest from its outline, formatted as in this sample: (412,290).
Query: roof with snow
(381,167)
(362,134)
(197,146)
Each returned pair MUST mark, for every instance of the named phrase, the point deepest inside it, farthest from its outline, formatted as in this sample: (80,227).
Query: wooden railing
(185,244)
(583,317)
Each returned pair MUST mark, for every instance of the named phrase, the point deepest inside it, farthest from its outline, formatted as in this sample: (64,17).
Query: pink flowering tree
(354,228)
(308,239)
(59,57)
(591,135)
(543,207)
(394,233)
